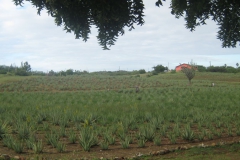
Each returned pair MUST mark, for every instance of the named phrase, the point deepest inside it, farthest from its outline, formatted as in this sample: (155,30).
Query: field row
(158,116)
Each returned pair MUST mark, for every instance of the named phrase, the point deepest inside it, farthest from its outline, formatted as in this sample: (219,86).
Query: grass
(225,152)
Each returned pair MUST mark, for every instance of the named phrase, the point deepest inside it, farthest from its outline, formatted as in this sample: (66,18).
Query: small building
(179,67)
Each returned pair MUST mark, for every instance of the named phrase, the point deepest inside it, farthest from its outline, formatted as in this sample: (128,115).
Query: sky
(162,40)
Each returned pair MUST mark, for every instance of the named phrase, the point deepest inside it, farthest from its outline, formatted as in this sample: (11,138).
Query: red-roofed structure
(179,67)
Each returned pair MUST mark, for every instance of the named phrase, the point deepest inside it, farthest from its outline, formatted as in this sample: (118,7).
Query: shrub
(142,71)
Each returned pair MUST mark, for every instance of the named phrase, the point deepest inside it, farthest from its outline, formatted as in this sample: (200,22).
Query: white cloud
(25,36)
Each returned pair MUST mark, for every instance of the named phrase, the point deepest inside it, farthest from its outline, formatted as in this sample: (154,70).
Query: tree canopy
(112,16)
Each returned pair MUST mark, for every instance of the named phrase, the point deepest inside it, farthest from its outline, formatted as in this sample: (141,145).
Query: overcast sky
(163,39)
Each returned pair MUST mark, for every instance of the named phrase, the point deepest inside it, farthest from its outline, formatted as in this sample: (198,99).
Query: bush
(173,71)
(142,71)
(201,69)
(160,68)
(231,70)
(154,73)
(22,73)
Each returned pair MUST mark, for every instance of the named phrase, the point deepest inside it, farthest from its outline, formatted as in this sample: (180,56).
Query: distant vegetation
(25,70)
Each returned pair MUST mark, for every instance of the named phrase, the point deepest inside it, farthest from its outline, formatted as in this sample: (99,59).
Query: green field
(66,116)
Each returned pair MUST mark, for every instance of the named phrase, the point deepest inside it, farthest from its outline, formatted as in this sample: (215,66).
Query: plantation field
(97,116)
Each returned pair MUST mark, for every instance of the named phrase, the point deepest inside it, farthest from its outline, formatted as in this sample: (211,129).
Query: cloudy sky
(163,39)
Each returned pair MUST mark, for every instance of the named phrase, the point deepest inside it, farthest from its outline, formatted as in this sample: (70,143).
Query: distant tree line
(222,69)
(68,72)
(23,70)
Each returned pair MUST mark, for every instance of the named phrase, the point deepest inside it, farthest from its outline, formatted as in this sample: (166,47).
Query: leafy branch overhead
(111,16)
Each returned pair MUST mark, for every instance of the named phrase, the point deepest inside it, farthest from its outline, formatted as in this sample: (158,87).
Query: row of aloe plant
(194,113)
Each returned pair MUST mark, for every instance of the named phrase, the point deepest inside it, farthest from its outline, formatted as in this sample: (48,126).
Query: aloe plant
(72,136)
(157,141)
(172,138)
(61,147)
(4,129)
(87,138)
(37,146)
(148,132)
(142,142)
(125,143)
(188,134)
(52,138)
(8,141)
(24,132)
(17,146)
(104,145)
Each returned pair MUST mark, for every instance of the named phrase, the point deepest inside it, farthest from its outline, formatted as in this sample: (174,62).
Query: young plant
(157,141)
(141,142)
(122,134)
(172,138)
(62,131)
(110,139)
(238,131)
(46,126)
(176,130)
(24,132)
(61,147)
(188,134)
(30,141)
(163,131)
(4,129)
(200,137)
(37,147)
(52,138)
(219,133)
(17,146)
(125,143)
(72,136)
(130,138)
(210,136)
(8,141)
(104,145)
(230,131)
(148,132)
(87,138)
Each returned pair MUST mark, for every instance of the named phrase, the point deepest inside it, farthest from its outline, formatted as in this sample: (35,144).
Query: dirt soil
(75,151)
